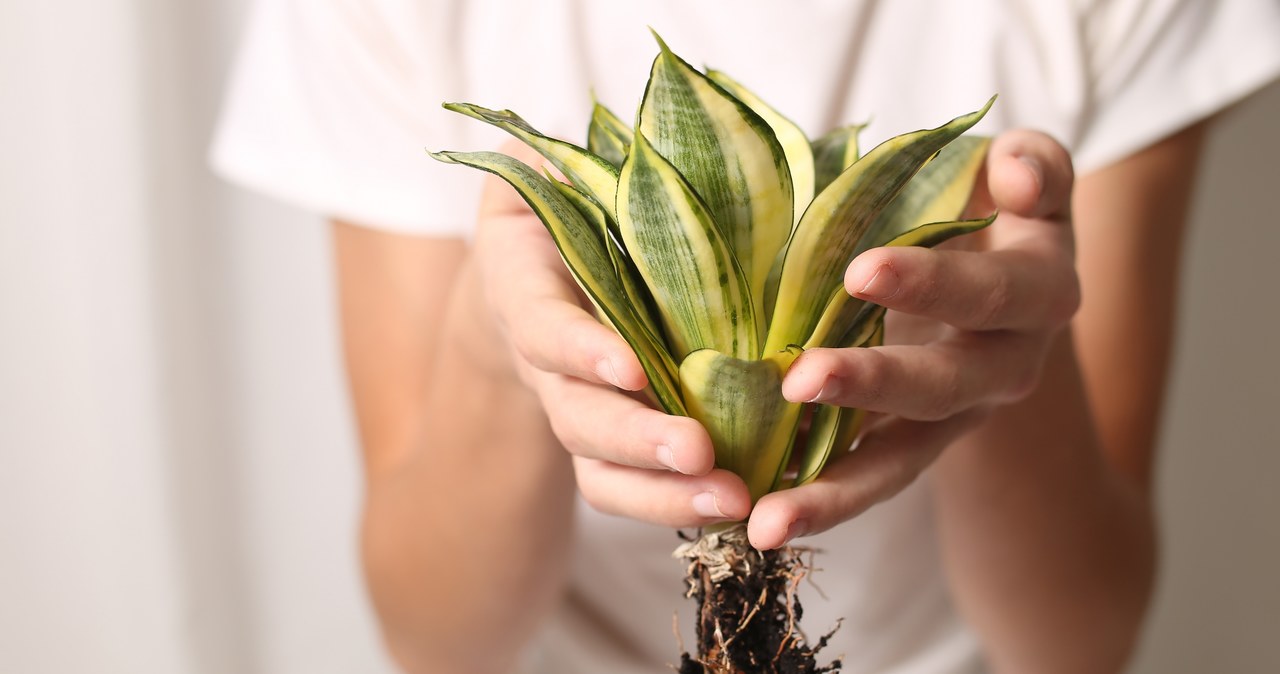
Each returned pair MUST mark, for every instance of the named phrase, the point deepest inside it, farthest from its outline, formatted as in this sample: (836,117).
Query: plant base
(748,612)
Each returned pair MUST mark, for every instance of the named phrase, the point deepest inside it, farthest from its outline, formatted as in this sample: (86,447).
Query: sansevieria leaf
(608,136)
(828,234)
(938,193)
(918,217)
(833,429)
(584,254)
(833,153)
(843,317)
(751,425)
(730,157)
(636,291)
(795,145)
(591,174)
(696,282)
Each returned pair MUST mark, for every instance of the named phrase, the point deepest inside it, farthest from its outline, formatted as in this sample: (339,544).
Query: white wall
(178,474)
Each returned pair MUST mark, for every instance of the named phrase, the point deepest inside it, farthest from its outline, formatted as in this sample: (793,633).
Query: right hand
(630,459)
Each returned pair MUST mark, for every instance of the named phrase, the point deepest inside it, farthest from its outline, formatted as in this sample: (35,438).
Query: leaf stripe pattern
(833,153)
(584,255)
(730,157)
(830,229)
(589,173)
(695,280)
(740,401)
(607,136)
(632,284)
(795,145)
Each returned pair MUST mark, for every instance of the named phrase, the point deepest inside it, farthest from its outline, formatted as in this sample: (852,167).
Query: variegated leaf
(608,136)
(731,158)
(740,403)
(632,283)
(833,429)
(590,173)
(843,321)
(833,153)
(584,254)
(795,145)
(700,291)
(828,234)
(829,429)
(937,194)
(917,217)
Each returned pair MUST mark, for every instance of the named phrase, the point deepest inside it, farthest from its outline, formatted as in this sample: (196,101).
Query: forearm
(465,537)
(1051,553)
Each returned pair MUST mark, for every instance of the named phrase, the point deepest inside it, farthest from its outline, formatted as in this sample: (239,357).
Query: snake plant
(713,235)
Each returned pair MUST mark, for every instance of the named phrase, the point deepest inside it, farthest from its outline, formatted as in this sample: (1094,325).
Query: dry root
(748,613)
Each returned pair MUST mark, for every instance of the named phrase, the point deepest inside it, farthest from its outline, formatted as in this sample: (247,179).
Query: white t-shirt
(333,102)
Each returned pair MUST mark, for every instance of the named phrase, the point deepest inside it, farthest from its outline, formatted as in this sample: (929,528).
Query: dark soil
(748,622)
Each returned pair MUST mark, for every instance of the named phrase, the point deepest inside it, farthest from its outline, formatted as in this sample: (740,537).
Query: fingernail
(882,286)
(821,391)
(705,505)
(604,370)
(667,457)
(795,530)
(1033,164)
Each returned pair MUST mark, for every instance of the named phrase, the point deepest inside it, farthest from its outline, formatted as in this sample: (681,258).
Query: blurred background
(179,480)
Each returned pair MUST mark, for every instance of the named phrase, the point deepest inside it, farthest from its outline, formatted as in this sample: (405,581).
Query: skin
(1038,420)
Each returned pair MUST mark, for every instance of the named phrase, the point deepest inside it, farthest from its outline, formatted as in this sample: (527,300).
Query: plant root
(748,618)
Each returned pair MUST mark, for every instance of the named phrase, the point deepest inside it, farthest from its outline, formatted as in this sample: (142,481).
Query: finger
(597,422)
(558,336)
(1029,174)
(660,497)
(535,299)
(1028,285)
(887,460)
(925,383)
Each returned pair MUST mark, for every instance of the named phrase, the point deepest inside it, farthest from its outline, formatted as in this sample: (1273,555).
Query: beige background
(1219,603)
(178,478)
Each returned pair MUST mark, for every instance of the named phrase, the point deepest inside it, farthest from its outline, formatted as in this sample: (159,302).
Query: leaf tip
(662,44)
(443,155)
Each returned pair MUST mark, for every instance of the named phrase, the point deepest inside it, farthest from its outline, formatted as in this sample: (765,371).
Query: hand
(967,331)
(968,328)
(630,459)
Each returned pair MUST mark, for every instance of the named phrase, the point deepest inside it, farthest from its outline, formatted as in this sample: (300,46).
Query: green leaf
(632,283)
(827,428)
(608,136)
(833,429)
(938,193)
(584,254)
(700,291)
(843,319)
(590,173)
(917,217)
(740,403)
(795,144)
(833,153)
(730,157)
(830,230)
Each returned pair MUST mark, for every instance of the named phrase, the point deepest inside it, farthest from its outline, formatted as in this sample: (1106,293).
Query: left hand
(967,330)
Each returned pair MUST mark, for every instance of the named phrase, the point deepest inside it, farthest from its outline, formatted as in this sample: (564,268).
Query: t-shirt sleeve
(1161,65)
(331,105)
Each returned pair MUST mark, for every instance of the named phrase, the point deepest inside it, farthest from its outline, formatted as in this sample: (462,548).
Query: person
(520,499)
